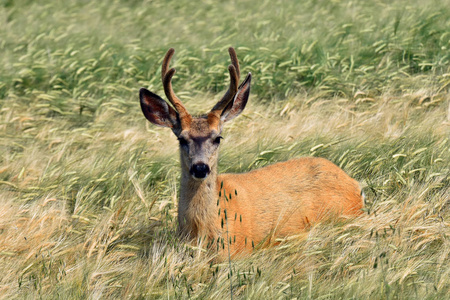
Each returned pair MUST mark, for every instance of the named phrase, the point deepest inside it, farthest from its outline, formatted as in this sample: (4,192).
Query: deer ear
(157,111)
(235,107)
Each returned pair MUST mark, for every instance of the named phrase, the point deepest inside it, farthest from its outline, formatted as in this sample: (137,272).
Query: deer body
(240,211)
(276,201)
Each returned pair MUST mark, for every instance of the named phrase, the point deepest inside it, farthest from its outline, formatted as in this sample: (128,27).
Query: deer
(238,212)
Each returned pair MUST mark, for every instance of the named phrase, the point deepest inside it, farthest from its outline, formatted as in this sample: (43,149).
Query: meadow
(88,187)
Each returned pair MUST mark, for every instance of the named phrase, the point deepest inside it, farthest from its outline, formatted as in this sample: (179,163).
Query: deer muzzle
(200,171)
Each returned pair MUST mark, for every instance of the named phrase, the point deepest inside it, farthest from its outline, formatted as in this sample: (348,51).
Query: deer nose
(200,170)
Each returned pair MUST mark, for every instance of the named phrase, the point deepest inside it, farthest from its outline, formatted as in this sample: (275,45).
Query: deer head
(199,137)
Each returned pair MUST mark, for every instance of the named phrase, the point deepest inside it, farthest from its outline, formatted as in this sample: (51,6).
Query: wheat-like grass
(88,188)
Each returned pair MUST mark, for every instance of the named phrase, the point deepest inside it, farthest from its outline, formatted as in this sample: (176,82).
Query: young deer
(243,210)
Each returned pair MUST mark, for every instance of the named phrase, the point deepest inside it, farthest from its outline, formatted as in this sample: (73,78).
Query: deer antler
(166,76)
(234,81)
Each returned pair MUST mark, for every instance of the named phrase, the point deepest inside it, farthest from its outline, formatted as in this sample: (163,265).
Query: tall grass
(88,189)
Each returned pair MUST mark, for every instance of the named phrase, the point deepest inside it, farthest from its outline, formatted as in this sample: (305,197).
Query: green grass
(88,188)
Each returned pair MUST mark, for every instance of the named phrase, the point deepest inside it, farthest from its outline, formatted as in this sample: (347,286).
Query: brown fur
(239,211)
(276,201)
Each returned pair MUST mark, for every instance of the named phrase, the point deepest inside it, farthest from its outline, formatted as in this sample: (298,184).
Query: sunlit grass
(88,188)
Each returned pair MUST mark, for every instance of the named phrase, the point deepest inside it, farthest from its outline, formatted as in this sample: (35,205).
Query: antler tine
(234,61)
(166,61)
(234,71)
(166,76)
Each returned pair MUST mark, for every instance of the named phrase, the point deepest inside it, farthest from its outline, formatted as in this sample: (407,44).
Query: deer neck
(197,207)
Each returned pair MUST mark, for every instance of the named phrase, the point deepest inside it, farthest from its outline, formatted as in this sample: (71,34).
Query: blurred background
(94,53)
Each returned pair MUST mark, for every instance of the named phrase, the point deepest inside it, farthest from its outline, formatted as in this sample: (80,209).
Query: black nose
(199,170)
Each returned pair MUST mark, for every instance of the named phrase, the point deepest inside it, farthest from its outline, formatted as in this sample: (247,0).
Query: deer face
(199,146)
(199,137)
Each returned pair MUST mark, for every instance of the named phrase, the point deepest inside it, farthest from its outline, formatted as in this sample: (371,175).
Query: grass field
(88,187)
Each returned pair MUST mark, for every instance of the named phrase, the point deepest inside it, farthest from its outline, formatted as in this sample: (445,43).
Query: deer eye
(217,140)
(182,141)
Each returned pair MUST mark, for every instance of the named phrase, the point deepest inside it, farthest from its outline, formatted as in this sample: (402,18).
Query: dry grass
(88,188)
(76,243)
